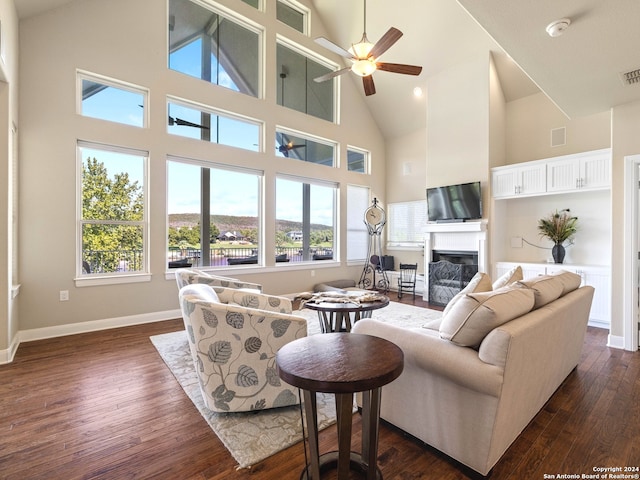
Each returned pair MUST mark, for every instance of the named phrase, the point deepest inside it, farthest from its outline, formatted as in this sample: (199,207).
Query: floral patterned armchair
(187,276)
(234,336)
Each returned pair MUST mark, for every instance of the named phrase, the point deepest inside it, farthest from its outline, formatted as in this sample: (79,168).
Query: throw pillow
(201,291)
(481,282)
(570,281)
(476,314)
(546,289)
(508,278)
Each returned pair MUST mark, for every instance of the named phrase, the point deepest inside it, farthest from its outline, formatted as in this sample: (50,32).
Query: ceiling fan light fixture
(363,67)
(361,49)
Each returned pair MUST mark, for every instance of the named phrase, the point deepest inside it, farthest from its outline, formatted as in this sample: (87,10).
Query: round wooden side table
(342,364)
(340,317)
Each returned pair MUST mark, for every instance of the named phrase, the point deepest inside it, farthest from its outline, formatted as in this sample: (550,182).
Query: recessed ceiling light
(557,28)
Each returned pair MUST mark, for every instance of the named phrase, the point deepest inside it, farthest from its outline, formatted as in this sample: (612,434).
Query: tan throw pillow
(546,288)
(476,314)
(481,282)
(508,278)
(570,281)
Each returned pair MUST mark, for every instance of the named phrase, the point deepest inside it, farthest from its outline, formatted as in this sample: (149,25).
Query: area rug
(253,436)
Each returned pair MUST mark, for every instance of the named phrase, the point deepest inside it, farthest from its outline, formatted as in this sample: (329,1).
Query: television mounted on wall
(454,203)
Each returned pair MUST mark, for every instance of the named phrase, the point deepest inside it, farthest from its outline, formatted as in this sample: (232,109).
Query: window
(357,234)
(405,224)
(113,225)
(110,100)
(210,46)
(357,160)
(296,88)
(212,127)
(292,14)
(304,148)
(213,214)
(305,219)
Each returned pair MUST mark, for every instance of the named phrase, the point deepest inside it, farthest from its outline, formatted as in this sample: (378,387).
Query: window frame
(367,159)
(82,75)
(323,61)
(84,280)
(335,217)
(219,113)
(298,7)
(415,213)
(311,138)
(238,19)
(170,272)
(356,217)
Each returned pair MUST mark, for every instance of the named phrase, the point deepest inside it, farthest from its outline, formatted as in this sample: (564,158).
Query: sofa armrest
(424,349)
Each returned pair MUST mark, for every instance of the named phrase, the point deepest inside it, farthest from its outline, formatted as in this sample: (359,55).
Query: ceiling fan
(285,145)
(364,56)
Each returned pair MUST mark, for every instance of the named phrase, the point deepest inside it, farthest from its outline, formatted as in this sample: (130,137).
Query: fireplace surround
(461,244)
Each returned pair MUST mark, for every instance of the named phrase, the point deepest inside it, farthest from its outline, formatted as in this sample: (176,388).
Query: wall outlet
(516,242)
(313,273)
(64,295)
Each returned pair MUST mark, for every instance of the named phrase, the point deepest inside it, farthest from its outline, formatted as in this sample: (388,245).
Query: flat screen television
(454,202)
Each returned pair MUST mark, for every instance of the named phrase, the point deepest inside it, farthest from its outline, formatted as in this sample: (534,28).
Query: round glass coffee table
(342,364)
(340,317)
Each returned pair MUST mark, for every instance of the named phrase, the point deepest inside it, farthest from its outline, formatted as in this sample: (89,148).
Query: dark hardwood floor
(104,406)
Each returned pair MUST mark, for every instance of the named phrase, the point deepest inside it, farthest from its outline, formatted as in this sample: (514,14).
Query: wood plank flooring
(104,406)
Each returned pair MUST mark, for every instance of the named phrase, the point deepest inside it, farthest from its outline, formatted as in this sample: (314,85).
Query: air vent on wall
(631,77)
(558,137)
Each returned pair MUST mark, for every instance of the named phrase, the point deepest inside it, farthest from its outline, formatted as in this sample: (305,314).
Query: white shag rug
(253,436)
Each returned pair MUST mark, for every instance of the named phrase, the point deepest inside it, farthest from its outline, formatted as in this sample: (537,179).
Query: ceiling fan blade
(329,45)
(387,40)
(399,68)
(330,75)
(369,86)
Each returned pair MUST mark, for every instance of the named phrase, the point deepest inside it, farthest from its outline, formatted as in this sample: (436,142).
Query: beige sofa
(471,402)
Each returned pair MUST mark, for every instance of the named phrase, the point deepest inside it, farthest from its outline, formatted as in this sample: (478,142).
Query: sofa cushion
(481,282)
(475,314)
(546,289)
(570,281)
(508,278)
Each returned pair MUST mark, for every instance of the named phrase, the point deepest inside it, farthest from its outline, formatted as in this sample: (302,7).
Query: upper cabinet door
(588,171)
(529,179)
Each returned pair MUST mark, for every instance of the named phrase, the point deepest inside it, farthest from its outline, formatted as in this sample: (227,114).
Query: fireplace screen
(446,279)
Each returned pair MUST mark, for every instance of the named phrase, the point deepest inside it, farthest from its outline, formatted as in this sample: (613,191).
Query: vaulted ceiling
(580,70)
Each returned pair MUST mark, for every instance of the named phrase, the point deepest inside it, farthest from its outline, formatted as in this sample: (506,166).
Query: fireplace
(450,272)
(453,253)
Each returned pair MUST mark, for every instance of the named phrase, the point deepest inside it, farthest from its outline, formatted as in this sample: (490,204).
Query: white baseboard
(615,341)
(6,356)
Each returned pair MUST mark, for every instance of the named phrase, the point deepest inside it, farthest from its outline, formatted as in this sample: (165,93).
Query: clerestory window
(214,47)
(296,88)
(201,123)
(304,148)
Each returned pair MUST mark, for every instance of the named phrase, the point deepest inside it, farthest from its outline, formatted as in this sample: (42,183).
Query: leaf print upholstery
(234,345)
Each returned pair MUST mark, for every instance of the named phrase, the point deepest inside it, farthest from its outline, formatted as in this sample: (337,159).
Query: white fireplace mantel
(459,227)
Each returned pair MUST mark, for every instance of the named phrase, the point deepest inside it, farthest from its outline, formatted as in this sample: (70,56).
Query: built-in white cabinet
(569,173)
(587,171)
(524,179)
(597,276)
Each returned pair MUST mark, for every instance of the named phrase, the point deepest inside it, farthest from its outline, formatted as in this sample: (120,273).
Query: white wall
(127,40)
(8,117)
(592,241)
